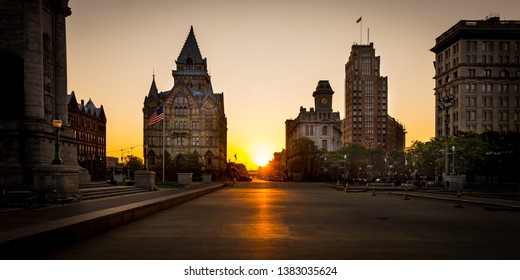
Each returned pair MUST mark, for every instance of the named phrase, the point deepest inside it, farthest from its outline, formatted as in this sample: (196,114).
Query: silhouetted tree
(306,158)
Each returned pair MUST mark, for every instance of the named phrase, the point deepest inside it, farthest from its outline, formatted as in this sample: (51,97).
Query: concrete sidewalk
(488,202)
(29,233)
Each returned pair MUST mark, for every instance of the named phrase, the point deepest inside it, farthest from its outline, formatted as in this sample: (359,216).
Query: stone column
(60,52)
(33,60)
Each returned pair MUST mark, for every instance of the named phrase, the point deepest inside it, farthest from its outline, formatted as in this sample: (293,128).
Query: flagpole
(361,33)
(163,127)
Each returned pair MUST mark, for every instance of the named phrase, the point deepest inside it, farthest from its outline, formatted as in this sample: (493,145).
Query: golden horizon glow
(261,158)
(265,56)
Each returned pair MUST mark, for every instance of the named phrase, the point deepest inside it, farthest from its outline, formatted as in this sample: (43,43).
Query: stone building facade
(89,127)
(477,77)
(194,119)
(320,124)
(33,83)
(366,103)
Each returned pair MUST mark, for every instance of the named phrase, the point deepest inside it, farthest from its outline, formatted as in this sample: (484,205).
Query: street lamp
(444,104)
(346,172)
(56,123)
(145,148)
(453,167)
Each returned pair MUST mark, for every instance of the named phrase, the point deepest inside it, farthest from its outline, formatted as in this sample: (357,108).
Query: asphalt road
(290,221)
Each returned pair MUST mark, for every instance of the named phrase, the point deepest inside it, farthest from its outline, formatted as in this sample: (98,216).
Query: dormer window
(189,63)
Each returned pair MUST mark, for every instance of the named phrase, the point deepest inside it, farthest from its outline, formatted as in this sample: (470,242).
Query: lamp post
(445,102)
(145,148)
(346,171)
(453,167)
(56,123)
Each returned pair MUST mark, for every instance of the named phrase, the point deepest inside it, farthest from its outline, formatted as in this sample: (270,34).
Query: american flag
(156,117)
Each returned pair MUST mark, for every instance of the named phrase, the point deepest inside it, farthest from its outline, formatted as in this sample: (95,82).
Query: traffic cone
(346,187)
(405,193)
(458,200)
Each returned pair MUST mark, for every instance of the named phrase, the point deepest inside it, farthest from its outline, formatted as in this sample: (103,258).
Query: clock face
(324,100)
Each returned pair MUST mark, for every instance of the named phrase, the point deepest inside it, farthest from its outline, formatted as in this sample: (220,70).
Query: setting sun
(261,158)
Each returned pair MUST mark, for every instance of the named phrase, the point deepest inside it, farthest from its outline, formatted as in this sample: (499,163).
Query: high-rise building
(194,119)
(366,103)
(477,77)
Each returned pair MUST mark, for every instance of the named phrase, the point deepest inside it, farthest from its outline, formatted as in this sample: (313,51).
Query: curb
(487,205)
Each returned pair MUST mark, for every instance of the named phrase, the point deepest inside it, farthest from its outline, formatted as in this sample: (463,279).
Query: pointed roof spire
(153,88)
(191,50)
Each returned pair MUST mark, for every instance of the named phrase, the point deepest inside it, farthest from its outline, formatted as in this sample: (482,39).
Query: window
(324,144)
(487,101)
(504,116)
(503,46)
(471,72)
(195,125)
(487,72)
(470,101)
(504,74)
(504,102)
(324,130)
(486,87)
(470,87)
(503,88)
(470,115)
(488,116)
(195,141)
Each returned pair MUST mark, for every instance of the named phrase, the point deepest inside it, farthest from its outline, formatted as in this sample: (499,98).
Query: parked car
(244,179)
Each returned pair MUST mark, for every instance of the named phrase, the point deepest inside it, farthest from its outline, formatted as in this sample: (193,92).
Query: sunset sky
(266,56)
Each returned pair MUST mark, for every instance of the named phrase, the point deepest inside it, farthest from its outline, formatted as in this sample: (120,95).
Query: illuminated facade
(477,77)
(366,103)
(194,119)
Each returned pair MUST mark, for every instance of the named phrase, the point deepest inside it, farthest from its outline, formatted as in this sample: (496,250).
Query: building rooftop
(489,28)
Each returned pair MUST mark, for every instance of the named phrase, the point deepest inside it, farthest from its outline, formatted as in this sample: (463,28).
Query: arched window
(324,130)
(504,74)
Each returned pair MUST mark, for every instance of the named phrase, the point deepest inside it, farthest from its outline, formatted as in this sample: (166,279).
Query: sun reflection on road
(265,221)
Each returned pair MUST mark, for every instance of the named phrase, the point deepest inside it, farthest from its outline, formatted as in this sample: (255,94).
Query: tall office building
(477,77)
(366,103)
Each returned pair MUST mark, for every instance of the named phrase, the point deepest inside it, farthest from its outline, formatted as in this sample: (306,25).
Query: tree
(396,164)
(305,158)
(357,160)
(189,163)
(426,158)
(134,163)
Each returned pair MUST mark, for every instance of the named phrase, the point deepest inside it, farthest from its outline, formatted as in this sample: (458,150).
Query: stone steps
(103,190)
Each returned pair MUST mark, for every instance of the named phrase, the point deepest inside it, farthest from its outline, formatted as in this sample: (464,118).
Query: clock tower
(323,97)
